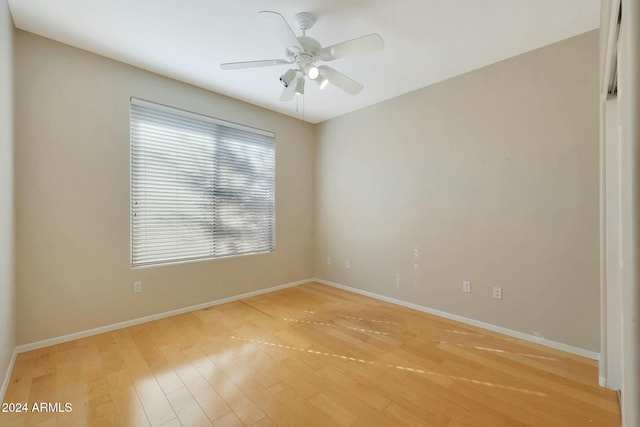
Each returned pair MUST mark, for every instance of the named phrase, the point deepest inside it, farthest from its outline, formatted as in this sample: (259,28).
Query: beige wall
(72,195)
(492,177)
(7,285)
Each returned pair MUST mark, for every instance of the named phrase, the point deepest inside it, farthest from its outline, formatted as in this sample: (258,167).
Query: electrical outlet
(137,287)
(347,264)
(329,260)
(497,292)
(466,286)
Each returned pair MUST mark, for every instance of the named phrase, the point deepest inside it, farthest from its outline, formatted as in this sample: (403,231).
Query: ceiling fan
(303,52)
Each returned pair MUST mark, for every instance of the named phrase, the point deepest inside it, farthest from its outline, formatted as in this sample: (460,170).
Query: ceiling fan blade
(253,64)
(343,82)
(289,92)
(351,47)
(281,29)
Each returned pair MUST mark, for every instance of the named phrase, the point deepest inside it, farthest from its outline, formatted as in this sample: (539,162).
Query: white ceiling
(426,41)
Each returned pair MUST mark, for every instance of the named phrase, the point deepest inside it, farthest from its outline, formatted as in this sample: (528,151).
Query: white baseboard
(602,381)
(121,325)
(494,328)
(7,375)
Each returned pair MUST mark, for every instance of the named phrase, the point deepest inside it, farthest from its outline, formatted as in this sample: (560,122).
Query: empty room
(320,213)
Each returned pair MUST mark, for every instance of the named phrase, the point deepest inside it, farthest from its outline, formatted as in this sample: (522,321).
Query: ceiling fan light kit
(300,86)
(311,71)
(287,78)
(303,52)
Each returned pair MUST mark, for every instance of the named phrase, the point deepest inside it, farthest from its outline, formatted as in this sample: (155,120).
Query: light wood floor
(308,356)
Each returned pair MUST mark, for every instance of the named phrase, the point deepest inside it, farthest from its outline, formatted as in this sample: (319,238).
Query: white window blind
(200,187)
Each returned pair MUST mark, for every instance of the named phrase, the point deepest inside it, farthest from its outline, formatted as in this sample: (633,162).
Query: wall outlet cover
(466,286)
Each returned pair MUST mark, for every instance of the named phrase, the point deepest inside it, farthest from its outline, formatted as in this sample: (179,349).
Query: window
(200,187)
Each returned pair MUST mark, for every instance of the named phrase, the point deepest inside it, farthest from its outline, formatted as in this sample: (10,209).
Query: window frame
(225,126)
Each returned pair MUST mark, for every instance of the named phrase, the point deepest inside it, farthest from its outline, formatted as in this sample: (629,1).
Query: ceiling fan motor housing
(310,48)
(305,59)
